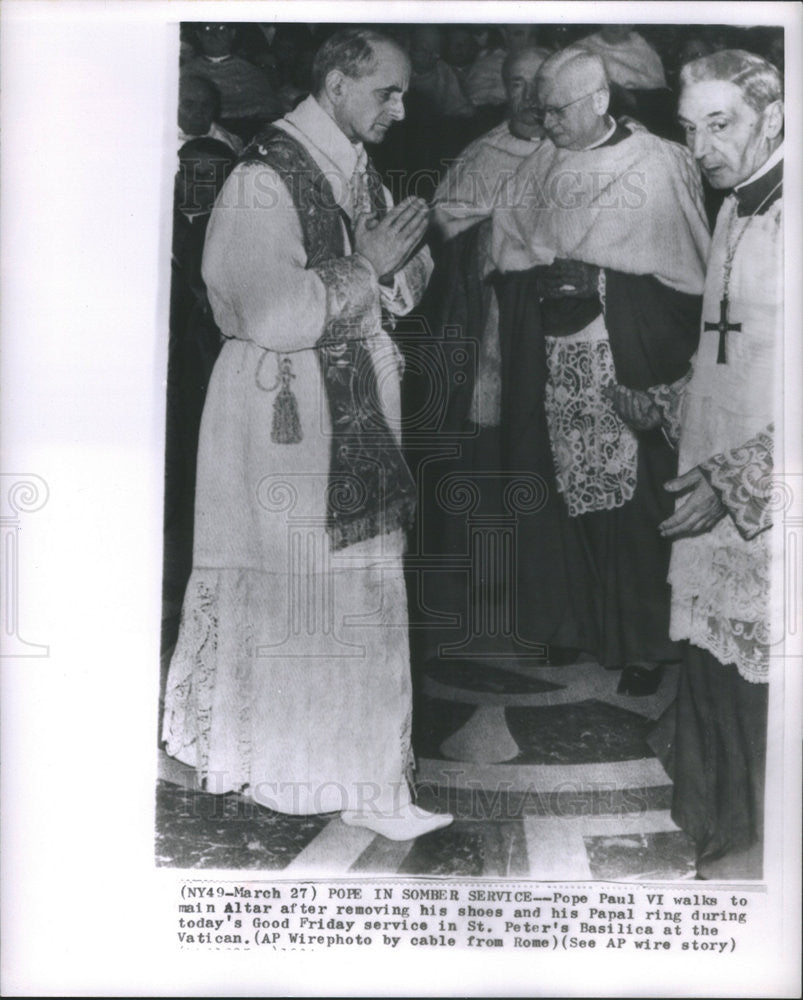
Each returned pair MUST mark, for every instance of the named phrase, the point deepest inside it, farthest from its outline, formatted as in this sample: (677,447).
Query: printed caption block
(309,915)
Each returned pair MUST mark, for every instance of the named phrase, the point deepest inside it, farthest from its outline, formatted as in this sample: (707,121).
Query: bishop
(723,417)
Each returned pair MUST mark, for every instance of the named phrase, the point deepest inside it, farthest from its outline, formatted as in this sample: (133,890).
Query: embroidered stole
(370,489)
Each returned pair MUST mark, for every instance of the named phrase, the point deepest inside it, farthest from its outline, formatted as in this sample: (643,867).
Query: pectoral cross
(724,328)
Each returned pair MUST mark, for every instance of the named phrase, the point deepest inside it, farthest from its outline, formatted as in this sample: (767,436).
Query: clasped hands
(388,243)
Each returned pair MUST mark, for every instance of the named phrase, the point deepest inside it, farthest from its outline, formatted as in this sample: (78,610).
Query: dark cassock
(723,414)
(629,209)
(463,204)
(533,603)
(194,346)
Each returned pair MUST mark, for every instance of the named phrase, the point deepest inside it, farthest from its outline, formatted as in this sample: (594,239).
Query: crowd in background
(255,73)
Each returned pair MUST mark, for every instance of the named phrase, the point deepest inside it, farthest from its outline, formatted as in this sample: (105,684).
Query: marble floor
(546,770)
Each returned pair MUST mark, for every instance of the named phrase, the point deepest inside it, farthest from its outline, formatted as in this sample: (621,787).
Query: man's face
(571,114)
(424,49)
(215,39)
(460,47)
(522,97)
(370,104)
(728,138)
(518,36)
(196,108)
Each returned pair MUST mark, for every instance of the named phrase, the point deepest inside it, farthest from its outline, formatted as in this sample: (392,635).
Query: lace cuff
(742,479)
(409,285)
(352,299)
(669,400)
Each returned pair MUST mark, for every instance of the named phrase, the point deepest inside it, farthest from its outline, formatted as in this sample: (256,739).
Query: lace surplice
(595,452)
(728,568)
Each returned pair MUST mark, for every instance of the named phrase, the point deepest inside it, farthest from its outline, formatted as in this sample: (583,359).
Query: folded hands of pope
(388,243)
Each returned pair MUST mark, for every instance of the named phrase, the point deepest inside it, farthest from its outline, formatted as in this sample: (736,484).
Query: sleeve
(670,401)
(469,191)
(457,206)
(409,284)
(260,285)
(653,329)
(514,246)
(742,479)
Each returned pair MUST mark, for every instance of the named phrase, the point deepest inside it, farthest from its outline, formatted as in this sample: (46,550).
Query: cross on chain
(724,328)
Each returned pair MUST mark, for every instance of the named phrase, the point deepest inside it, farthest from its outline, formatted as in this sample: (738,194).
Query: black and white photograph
(404,501)
(470,449)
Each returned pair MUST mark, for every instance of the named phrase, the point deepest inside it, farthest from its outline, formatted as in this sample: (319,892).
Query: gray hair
(578,60)
(351,51)
(759,81)
(513,57)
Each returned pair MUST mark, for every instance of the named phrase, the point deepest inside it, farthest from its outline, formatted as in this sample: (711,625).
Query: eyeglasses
(217,28)
(560,111)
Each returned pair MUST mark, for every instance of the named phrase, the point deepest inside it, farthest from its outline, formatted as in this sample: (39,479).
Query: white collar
(765,168)
(325,134)
(605,138)
(504,131)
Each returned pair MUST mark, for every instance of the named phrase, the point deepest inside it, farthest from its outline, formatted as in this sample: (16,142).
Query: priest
(464,202)
(608,227)
(732,112)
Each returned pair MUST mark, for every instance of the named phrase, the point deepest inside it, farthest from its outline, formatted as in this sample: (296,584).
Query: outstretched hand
(698,513)
(388,243)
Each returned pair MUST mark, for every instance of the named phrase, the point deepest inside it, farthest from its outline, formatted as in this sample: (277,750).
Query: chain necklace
(723,326)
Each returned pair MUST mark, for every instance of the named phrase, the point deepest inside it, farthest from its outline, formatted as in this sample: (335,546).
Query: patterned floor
(546,770)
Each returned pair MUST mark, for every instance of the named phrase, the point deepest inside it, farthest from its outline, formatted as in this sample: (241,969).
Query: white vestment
(632,63)
(473,186)
(483,79)
(291,674)
(636,207)
(721,578)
